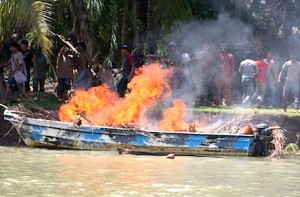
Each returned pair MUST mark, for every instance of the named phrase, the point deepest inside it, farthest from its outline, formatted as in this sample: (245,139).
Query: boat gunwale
(13,117)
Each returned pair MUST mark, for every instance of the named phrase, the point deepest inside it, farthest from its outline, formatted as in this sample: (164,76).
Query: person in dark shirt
(29,62)
(41,70)
(2,59)
(2,81)
(138,57)
(6,46)
(174,55)
(127,70)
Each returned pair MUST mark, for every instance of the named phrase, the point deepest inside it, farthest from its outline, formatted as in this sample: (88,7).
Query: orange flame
(103,107)
(173,118)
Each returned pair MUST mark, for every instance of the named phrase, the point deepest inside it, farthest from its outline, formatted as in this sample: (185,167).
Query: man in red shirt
(261,78)
(226,73)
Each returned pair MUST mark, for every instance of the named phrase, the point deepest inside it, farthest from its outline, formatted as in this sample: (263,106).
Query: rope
(11,128)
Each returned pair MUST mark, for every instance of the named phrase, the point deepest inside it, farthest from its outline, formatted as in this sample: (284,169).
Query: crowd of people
(263,81)
(20,65)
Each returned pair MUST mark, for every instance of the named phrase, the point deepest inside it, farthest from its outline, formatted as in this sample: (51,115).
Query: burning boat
(64,135)
(98,119)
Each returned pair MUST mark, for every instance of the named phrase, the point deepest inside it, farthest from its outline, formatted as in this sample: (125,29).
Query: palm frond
(28,16)
(169,11)
(103,18)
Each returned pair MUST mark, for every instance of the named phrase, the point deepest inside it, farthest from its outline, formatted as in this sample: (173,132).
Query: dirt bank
(7,139)
(291,124)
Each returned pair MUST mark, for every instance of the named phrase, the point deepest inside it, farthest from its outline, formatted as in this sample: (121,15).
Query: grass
(44,100)
(49,102)
(291,112)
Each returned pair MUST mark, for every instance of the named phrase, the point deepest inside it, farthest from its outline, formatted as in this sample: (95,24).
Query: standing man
(17,73)
(291,69)
(65,73)
(261,78)
(29,63)
(2,60)
(174,54)
(40,70)
(248,70)
(84,79)
(272,77)
(127,70)
(226,73)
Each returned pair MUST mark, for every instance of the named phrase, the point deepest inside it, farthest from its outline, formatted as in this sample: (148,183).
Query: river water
(42,172)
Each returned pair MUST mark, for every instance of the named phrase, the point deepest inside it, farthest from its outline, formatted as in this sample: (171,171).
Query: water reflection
(126,171)
(41,172)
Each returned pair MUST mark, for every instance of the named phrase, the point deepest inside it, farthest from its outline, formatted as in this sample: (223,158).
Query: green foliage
(104,18)
(169,11)
(45,100)
(270,20)
(162,49)
(27,16)
(238,110)
(292,148)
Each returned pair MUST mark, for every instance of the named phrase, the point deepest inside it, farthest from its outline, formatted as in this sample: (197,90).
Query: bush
(292,147)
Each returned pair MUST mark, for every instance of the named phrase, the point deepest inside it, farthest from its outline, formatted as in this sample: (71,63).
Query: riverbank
(289,120)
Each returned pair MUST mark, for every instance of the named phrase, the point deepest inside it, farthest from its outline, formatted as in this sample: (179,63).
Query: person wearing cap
(17,74)
(29,62)
(174,54)
(127,70)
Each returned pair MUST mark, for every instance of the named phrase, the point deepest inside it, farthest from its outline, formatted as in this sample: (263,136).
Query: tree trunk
(2,90)
(140,15)
(126,22)
(138,22)
(81,27)
(287,22)
(239,9)
(151,27)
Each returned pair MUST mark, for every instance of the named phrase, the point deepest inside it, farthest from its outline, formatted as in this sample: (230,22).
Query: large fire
(101,106)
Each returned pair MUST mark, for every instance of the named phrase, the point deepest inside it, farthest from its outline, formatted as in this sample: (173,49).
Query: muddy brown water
(41,172)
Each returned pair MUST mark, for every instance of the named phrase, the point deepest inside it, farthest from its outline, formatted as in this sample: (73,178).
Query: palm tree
(140,22)
(151,26)
(162,14)
(27,16)
(125,22)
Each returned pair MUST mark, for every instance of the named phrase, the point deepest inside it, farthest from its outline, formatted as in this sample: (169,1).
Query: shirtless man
(65,73)
(84,79)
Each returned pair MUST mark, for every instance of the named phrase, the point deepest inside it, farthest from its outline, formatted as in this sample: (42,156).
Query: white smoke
(202,41)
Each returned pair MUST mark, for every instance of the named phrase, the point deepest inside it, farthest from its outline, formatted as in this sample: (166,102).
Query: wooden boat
(56,134)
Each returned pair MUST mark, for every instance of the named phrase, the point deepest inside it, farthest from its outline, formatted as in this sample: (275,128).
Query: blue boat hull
(55,134)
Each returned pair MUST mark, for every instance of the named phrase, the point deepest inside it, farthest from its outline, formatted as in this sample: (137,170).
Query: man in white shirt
(291,69)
